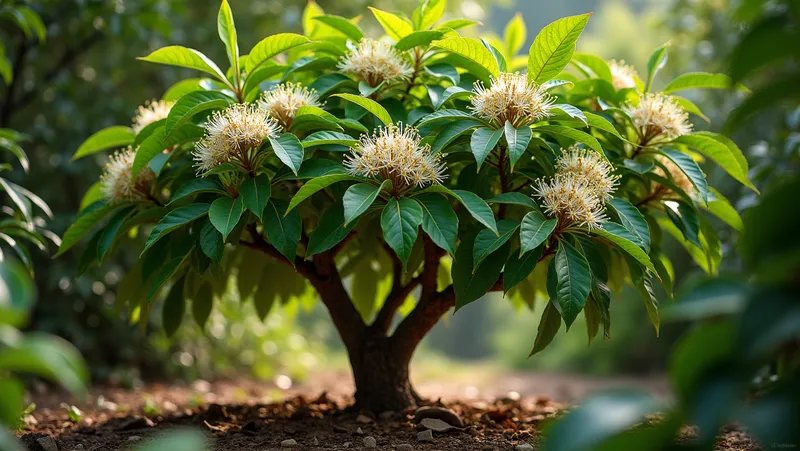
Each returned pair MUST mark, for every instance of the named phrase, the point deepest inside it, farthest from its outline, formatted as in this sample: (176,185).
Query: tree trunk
(381,376)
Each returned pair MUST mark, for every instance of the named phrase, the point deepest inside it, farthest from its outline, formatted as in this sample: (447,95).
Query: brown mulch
(237,416)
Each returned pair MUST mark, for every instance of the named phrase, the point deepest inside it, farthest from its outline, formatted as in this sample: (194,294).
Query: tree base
(381,377)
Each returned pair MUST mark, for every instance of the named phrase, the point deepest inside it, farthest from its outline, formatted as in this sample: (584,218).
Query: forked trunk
(381,376)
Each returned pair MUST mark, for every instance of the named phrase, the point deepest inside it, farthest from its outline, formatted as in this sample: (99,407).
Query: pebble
(405,447)
(134,438)
(370,442)
(363,419)
(79,448)
(446,415)
(47,443)
(524,447)
(425,436)
(347,444)
(436,424)
(315,442)
(288,443)
(358,432)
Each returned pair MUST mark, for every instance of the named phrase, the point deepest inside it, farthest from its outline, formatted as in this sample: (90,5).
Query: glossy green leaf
(86,220)
(369,105)
(344,26)
(255,192)
(330,230)
(518,140)
(573,134)
(317,184)
(439,220)
(616,234)
(513,199)
(534,231)
(473,50)
(418,38)
(395,26)
(574,281)
(476,206)
(548,328)
(451,132)
(202,303)
(176,55)
(197,186)
(483,141)
(227,33)
(553,47)
(400,222)
(225,214)
(702,80)
(325,138)
(272,46)
(283,230)
(211,242)
(518,268)
(115,136)
(487,242)
(47,356)
(359,197)
(470,286)
(657,61)
(690,168)
(175,219)
(632,220)
(722,151)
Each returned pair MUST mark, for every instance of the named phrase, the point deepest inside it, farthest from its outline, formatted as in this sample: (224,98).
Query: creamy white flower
(622,75)
(234,134)
(511,97)
(658,117)
(579,190)
(118,183)
(150,112)
(394,153)
(283,101)
(375,62)
(590,166)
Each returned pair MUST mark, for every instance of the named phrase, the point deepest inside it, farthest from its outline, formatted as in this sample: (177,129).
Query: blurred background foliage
(85,77)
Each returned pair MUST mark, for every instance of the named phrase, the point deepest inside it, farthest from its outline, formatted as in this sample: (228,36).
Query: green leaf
(439,221)
(483,142)
(553,47)
(534,231)
(14,148)
(451,132)
(574,281)
(616,234)
(690,168)
(572,111)
(197,186)
(174,309)
(157,142)
(86,220)
(518,140)
(476,206)
(515,34)
(602,123)
(632,220)
(255,192)
(513,199)
(225,214)
(571,133)
(369,105)
(162,275)
(330,230)
(174,219)
(430,12)
(47,356)
(227,33)
(418,38)
(473,50)
(109,233)
(289,150)
(13,402)
(548,328)
(400,220)
(643,283)
(325,138)
(722,151)
(395,26)
(720,207)
(344,26)
(316,184)
(116,136)
(176,55)
(702,80)
(211,242)
(202,303)
(486,241)
(518,268)
(597,65)
(469,286)
(272,46)
(283,229)
(657,60)
(359,197)
(191,104)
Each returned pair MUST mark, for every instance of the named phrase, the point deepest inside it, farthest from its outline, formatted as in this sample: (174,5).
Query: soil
(246,415)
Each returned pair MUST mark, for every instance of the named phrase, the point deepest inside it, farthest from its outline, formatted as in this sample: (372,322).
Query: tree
(325,153)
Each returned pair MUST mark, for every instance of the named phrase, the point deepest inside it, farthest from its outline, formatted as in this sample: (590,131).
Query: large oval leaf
(632,220)
(330,230)
(359,197)
(616,234)
(271,46)
(289,150)
(255,192)
(400,221)
(486,242)
(574,281)
(553,47)
(176,55)
(518,140)
(439,221)
(483,141)
(283,230)
(316,184)
(225,214)
(116,136)
(473,50)
(395,26)
(535,229)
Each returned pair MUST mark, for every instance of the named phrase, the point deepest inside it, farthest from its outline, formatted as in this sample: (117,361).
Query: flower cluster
(234,134)
(622,75)
(375,62)
(394,153)
(151,112)
(118,183)
(658,117)
(283,101)
(512,98)
(579,190)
